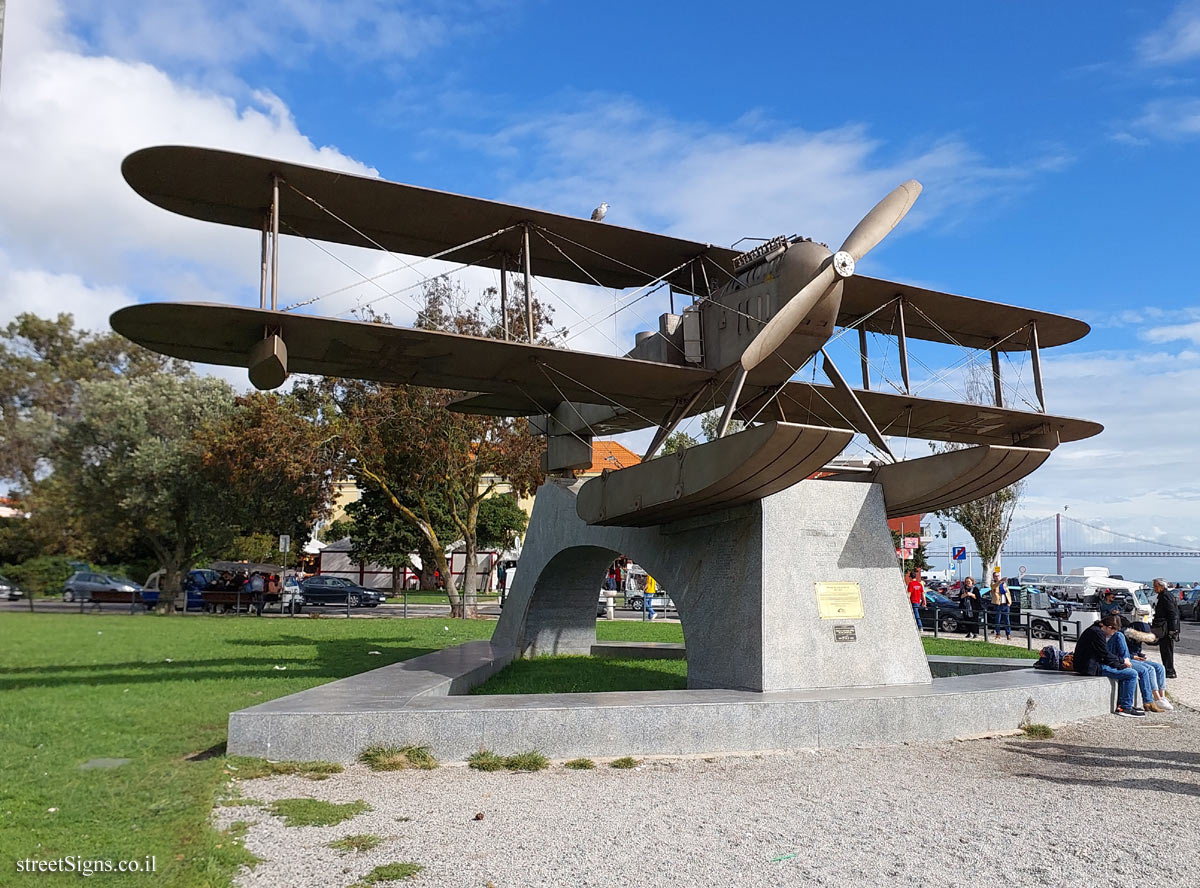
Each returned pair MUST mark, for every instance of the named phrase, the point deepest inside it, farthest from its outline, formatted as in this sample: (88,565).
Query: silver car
(81,585)
(9,589)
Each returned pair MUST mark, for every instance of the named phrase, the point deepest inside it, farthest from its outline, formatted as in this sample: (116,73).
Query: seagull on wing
(600,212)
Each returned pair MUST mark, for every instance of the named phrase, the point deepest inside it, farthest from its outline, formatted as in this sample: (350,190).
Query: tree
(678,441)
(428,460)
(379,533)
(710,421)
(501,519)
(988,521)
(17,542)
(43,364)
(136,470)
(280,455)
(259,548)
(708,427)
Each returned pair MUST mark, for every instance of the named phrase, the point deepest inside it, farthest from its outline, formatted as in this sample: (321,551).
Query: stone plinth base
(745,583)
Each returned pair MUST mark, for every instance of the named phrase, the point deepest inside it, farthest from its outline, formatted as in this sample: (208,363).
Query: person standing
(257,589)
(968,600)
(1002,601)
(1166,624)
(916,596)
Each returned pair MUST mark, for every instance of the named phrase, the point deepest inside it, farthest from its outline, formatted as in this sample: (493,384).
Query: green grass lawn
(956,647)
(158,690)
(578,674)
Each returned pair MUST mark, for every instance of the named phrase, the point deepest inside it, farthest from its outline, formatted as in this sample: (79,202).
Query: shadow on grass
(333,659)
(578,674)
(205,754)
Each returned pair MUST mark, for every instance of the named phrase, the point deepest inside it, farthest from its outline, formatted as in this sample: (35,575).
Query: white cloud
(222,33)
(46,294)
(742,180)
(1138,474)
(1174,119)
(1174,333)
(1177,40)
(67,216)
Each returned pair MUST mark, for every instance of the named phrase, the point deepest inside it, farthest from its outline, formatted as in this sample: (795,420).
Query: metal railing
(982,622)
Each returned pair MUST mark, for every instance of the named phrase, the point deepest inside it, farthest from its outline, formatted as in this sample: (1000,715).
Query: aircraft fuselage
(714,332)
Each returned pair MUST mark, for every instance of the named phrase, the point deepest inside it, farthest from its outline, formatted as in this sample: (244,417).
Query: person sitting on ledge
(1135,636)
(1092,657)
(1152,696)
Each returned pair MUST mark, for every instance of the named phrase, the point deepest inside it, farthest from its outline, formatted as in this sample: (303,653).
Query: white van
(1087,587)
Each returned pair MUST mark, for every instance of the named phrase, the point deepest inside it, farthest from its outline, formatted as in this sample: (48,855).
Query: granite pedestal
(419,702)
(765,671)
(744,582)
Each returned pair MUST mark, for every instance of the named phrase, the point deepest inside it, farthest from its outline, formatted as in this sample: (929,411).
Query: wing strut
(860,412)
(676,417)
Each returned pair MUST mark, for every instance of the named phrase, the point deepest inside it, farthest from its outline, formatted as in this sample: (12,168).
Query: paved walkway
(1107,802)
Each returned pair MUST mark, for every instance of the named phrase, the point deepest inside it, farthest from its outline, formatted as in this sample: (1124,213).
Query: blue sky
(1057,144)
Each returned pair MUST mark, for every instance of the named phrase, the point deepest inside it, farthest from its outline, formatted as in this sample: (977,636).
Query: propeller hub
(843,264)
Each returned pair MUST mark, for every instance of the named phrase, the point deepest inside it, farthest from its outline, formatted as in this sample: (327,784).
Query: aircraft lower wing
(908,416)
(536,376)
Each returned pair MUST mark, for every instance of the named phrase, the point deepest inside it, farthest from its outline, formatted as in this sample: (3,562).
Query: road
(392,609)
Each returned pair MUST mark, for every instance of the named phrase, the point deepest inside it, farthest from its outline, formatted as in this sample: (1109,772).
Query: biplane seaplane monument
(780,562)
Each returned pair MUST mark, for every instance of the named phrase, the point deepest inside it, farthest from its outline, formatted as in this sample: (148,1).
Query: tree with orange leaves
(428,460)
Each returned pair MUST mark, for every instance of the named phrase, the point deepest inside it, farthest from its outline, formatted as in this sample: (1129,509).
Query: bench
(226,599)
(112,596)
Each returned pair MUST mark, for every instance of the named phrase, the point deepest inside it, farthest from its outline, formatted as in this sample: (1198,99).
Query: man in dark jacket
(1166,624)
(1092,657)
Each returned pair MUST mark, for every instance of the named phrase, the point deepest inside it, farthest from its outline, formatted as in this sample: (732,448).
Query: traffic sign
(960,553)
(285,543)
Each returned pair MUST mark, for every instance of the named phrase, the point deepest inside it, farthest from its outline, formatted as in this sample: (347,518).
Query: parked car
(636,600)
(339,590)
(9,589)
(193,583)
(81,585)
(940,610)
(1189,607)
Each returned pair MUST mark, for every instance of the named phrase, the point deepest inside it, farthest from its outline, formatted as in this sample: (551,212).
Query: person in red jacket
(916,595)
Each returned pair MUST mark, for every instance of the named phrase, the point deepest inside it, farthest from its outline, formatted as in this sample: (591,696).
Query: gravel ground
(1005,811)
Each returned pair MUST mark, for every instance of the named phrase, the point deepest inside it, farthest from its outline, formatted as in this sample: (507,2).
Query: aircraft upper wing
(908,416)
(235,189)
(533,375)
(944,317)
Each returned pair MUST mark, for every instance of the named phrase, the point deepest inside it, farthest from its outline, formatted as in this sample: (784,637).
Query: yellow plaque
(839,601)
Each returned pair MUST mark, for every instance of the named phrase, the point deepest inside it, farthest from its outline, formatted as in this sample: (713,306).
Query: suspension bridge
(1060,536)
